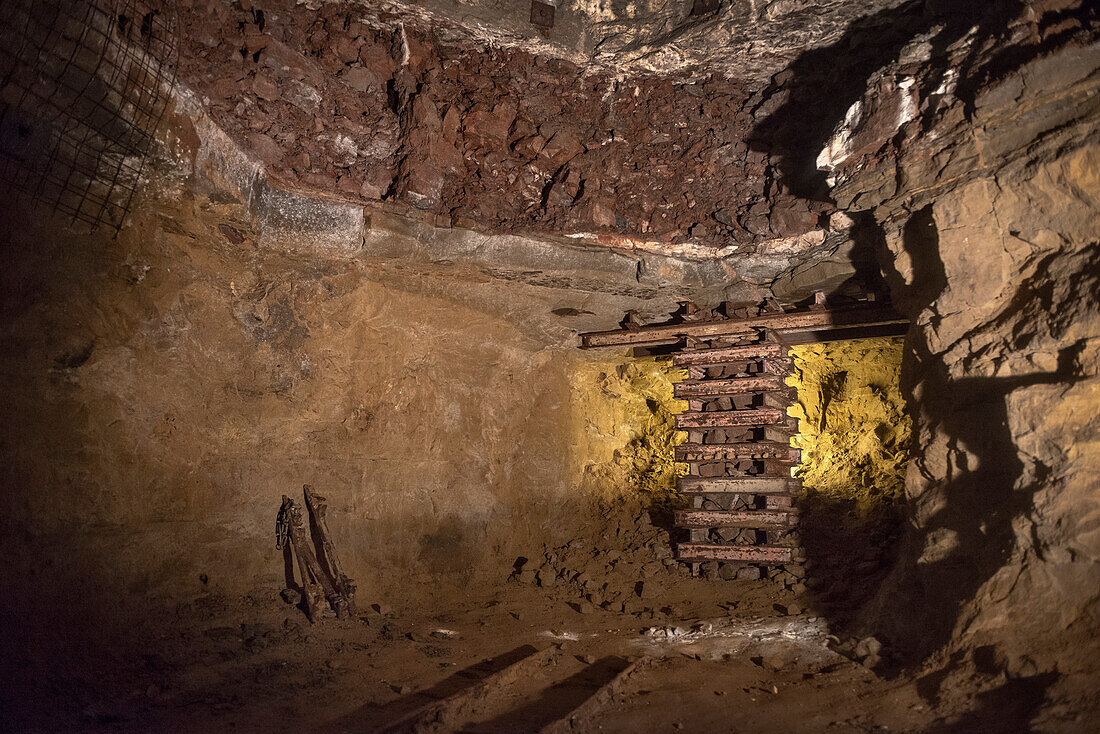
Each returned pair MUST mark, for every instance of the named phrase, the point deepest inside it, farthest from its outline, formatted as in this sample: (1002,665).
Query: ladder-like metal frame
(738,452)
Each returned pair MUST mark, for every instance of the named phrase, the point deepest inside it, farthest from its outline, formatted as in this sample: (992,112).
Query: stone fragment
(225,88)
(361,79)
(254,40)
(868,647)
(233,235)
(545,577)
(530,146)
(756,219)
(378,60)
(488,127)
(299,162)
(264,88)
(346,49)
(265,148)
(602,215)
(563,146)
(422,184)
(791,216)
(303,96)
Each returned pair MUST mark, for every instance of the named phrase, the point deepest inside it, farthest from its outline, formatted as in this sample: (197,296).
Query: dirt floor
(620,640)
(730,659)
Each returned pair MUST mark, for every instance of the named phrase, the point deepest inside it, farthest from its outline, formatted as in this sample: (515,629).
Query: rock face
(165,388)
(344,102)
(375,231)
(975,154)
(853,431)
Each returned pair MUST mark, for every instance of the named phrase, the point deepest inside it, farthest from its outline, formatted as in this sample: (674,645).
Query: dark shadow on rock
(819,87)
(1005,710)
(868,246)
(848,553)
(375,718)
(930,684)
(928,280)
(970,536)
(557,701)
(944,562)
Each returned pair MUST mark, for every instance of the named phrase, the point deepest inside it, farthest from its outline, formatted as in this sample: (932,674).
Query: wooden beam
(721,418)
(745,553)
(730,386)
(762,519)
(735,451)
(815,321)
(899,328)
(726,355)
(691,484)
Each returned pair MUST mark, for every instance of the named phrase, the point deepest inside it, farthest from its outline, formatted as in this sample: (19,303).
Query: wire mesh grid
(83,87)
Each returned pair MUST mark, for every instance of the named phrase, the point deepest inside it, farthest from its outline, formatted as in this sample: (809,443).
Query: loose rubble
(369,110)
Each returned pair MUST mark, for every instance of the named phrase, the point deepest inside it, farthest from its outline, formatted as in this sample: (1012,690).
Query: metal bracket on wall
(83,88)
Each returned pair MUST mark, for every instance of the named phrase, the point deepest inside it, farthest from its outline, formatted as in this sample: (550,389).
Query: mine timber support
(740,485)
(793,328)
(318,511)
(318,583)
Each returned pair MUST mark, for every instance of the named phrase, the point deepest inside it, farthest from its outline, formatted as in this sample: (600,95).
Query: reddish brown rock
(264,88)
(791,216)
(266,149)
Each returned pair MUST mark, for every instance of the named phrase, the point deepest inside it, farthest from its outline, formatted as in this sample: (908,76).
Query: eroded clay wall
(166,387)
(624,432)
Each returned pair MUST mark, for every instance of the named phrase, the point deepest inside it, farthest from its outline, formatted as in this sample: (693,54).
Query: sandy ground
(717,656)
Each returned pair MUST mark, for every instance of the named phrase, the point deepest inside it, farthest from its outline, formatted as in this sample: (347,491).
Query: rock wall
(1005,373)
(625,435)
(853,428)
(348,101)
(165,386)
(974,155)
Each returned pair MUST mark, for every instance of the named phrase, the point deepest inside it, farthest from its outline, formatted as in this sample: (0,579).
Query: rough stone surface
(853,430)
(491,134)
(361,261)
(983,177)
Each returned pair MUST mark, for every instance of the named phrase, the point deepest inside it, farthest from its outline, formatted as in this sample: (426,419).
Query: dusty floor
(690,654)
(709,666)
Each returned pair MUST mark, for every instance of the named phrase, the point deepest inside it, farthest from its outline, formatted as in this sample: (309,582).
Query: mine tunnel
(550,366)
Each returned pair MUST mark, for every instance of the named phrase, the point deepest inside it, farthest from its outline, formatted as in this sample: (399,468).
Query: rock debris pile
(371,109)
(620,575)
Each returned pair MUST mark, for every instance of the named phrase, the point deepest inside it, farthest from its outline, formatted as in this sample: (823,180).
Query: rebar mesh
(83,86)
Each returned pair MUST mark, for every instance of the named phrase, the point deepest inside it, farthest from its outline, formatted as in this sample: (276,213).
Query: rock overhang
(462,123)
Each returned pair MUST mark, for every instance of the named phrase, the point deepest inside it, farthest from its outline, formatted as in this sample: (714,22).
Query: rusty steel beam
(696,452)
(745,553)
(729,386)
(777,502)
(737,485)
(858,331)
(725,355)
(816,321)
(722,418)
(763,519)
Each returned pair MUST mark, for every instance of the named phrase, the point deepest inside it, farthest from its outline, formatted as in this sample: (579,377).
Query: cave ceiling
(642,126)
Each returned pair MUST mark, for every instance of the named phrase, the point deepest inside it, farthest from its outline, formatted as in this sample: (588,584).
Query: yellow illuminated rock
(853,429)
(624,431)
